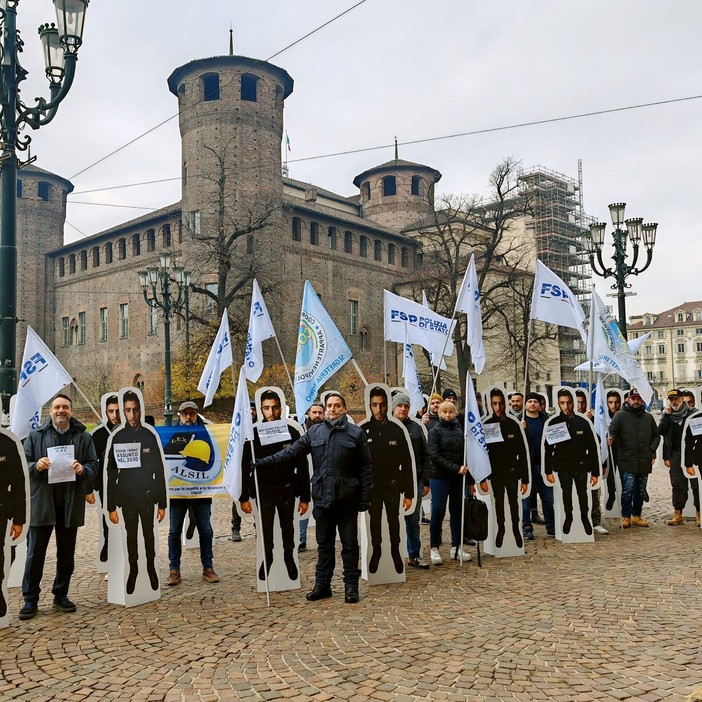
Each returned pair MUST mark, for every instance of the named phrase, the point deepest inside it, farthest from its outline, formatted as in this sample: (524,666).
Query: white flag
(260,329)
(413,384)
(241,431)
(601,417)
(408,319)
(218,361)
(598,367)
(41,377)
(476,449)
(468,301)
(436,360)
(553,301)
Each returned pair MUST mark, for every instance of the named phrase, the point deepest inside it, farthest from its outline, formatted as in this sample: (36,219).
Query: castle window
(121,249)
(83,260)
(108,252)
(150,240)
(389,185)
(332,237)
(73,339)
(72,263)
(314,234)
(392,254)
(210,87)
(365,191)
(249,87)
(405,257)
(166,234)
(365,341)
(103,324)
(348,242)
(81,327)
(65,331)
(353,317)
(19,188)
(96,256)
(195,222)
(378,250)
(61,267)
(363,248)
(124,321)
(136,245)
(43,190)
(415,185)
(296,229)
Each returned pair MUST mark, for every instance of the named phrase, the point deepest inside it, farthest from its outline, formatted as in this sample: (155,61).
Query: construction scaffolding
(557,225)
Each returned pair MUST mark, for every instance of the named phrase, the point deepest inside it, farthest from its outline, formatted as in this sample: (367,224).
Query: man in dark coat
(342,481)
(637,437)
(56,506)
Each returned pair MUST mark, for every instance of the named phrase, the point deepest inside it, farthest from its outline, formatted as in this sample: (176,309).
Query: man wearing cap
(637,437)
(431,417)
(671,428)
(400,410)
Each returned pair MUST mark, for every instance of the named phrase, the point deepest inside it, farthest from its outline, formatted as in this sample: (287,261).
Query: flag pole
(526,358)
(385,361)
(82,394)
(287,372)
(358,370)
(591,346)
(260,528)
(435,376)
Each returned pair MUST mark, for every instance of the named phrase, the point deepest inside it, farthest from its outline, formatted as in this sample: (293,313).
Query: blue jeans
(414,543)
(545,492)
(304,523)
(178,510)
(633,493)
(443,490)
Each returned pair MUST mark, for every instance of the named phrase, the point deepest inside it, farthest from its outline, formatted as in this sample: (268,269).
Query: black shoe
(424,520)
(469,542)
(302,546)
(536,518)
(567,524)
(61,603)
(397,559)
(290,565)
(587,525)
(29,611)
(236,535)
(131,580)
(103,553)
(153,576)
(351,594)
(262,569)
(518,538)
(610,503)
(499,538)
(319,592)
(374,561)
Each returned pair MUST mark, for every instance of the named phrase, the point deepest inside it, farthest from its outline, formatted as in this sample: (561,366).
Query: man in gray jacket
(55,505)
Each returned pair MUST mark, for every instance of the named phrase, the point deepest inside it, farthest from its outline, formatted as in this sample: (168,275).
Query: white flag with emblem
(260,329)
(218,361)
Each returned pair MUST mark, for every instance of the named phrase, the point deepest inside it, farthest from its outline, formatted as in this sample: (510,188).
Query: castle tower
(397,193)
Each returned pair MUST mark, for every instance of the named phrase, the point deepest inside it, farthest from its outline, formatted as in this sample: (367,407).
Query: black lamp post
(158,279)
(635,233)
(60,47)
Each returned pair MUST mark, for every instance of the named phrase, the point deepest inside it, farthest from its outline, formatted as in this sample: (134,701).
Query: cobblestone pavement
(615,620)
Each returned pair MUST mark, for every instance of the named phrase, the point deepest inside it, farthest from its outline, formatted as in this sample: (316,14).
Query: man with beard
(614,404)
(315,415)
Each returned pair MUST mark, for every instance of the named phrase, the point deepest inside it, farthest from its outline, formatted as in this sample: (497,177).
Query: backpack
(475,524)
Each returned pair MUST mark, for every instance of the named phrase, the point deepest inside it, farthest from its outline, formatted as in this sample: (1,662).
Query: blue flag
(321,350)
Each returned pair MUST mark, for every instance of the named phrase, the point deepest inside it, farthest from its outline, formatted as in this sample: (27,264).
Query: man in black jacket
(573,460)
(342,481)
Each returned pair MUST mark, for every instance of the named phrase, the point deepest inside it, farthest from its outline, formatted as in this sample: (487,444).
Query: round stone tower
(231,124)
(397,193)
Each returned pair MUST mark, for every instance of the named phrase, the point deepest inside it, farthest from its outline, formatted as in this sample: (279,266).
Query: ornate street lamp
(155,283)
(60,47)
(635,233)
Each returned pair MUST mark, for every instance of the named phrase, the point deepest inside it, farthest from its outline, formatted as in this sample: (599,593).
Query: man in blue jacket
(55,505)
(342,481)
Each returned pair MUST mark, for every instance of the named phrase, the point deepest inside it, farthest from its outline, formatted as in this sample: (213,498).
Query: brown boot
(697,519)
(676,519)
(173,578)
(636,520)
(626,523)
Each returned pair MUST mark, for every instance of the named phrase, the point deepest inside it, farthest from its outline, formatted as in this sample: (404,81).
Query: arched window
(108,252)
(96,256)
(332,237)
(121,249)
(210,86)
(44,190)
(416,180)
(296,229)
(348,242)
(681,316)
(389,185)
(365,340)
(698,315)
(363,248)
(150,240)
(166,235)
(61,267)
(392,254)
(365,191)
(74,332)
(314,233)
(249,87)
(72,263)
(83,260)
(405,257)
(136,245)
(378,250)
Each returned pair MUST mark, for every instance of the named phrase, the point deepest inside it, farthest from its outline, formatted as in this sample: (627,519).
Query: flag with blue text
(218,361)
(468,301)
(241,431)
(476,448)
(413,384)
(260,329)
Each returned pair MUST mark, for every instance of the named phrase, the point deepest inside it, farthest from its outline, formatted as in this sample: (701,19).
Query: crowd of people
(359,468)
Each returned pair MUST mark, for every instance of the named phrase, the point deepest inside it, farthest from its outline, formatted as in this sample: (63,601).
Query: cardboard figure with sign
(281,492)
(394,489)
(571,463)
(14,507)
(691,451)
(136,500)
(109,404)
(509,480)
(612,480)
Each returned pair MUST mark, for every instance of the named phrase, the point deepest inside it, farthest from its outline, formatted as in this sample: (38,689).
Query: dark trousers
(681,485)
(612,477)
(37,544)
(285,506)
(443,490)
(498,490)
(538,487)
(3,531)
(132,517)
(389,499)
(329,521)
(580,479)
(236,519)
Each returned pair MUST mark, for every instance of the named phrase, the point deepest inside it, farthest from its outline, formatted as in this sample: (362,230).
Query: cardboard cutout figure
(136,500)
(612,481)
(690,509)
(691,449)
(570,461)
(509,481)
(281,493)
(109,409)
(14,507)
(383,536)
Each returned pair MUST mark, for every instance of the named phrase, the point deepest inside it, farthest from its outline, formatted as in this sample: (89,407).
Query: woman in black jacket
(447,470)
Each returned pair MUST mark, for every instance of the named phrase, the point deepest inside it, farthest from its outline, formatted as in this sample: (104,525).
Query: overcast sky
(412,69)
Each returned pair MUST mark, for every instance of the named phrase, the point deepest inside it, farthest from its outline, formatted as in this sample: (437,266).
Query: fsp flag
(321,350)
(476,450)
(241,431)
(468,301)
(41,377)
(601,417)
(408,319)
(609,348)
(218,361)
(260,329)
(436,360)
(413,384)
(553,302)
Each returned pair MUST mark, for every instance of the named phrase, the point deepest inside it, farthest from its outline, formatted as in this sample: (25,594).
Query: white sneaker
(599,529)
(455,555)
(436,557)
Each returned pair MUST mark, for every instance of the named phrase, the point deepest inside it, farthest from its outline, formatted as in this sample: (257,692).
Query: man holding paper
(60,459)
